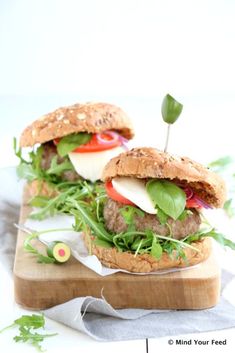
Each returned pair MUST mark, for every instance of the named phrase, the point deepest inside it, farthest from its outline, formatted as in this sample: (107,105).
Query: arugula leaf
(184,215)
(167,196)
(98,228)
(229,208)
(171,109)
(220,238)
(31,321)
(70,142)
(29,248)
(221,163)
(18,152)
(27,326)
(57,169)
(39,201)
(103,243)
(161,216)
(32,169)
(26,171)
(128,213)
(156,250)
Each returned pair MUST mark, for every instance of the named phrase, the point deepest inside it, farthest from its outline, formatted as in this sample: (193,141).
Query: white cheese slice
(90,165)
(134,190)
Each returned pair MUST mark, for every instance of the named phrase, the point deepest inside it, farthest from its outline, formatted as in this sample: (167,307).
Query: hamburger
(152,216)
(71,144)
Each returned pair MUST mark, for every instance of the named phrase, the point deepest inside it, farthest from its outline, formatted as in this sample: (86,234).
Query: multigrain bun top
(89,117)
(149,162)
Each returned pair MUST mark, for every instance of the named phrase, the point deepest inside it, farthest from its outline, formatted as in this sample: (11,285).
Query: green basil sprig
(171,110)
(167,196)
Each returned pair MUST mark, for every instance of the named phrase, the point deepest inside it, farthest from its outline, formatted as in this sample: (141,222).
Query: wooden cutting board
(40,286)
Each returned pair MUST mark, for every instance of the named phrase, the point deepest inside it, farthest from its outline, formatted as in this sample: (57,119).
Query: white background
(130,53)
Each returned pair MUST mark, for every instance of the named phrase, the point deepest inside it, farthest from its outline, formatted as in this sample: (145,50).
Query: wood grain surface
(40,286)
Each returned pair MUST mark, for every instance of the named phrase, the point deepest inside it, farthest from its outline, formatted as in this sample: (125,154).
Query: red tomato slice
(192,204)
(114,195)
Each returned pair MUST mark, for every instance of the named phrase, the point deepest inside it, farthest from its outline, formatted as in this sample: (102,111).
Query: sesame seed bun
(89,117)
(148,163)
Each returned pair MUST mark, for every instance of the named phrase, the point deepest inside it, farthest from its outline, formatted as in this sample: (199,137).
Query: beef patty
(115,222)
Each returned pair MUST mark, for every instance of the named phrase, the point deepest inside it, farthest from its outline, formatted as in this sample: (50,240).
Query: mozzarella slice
(135,191)
(90,165)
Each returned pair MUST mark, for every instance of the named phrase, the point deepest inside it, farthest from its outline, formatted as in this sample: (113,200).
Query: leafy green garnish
(29,248)
(219,237)
(32,169)
(128,213)
(58,169)
(229,208)
(171,109)
(102,243)
(161,216)
(225,167)
(156,250)
(77,209)
(184,215)
(221,164)
(41,258)
(70,142)
(167,196)
(27,325)
(26,171)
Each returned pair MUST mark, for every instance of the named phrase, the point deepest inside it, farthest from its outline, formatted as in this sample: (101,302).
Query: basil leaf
(167,196)
(171,109)
(70,142)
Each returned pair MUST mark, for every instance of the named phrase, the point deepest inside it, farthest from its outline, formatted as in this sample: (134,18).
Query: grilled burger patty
(49,152)
(115,222)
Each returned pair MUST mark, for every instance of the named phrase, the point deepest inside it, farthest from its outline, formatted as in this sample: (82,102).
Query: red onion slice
(124,142)
(189,193)
(114,137)
(201,202)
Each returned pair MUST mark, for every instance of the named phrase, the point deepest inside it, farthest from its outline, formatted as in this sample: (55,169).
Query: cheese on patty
(134,190)
(90,165)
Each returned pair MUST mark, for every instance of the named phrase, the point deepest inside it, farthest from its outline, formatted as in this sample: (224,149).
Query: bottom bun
(112,258)
(41,188)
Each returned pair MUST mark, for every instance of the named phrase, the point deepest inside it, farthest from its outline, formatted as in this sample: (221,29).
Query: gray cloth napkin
(98,319)
(94,316)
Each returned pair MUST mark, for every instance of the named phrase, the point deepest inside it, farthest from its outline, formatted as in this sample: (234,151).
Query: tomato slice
(114,195)
(99,142)
(191,203)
